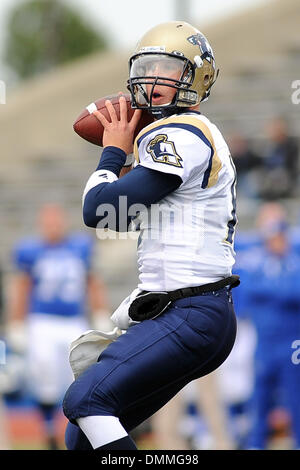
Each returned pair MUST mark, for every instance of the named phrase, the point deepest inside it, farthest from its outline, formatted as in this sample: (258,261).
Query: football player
(180,320)
(51,291)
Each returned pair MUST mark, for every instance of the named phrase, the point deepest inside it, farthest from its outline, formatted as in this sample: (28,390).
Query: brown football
(90,129)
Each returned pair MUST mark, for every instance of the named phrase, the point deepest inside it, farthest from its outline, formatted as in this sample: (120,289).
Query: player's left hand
(118,132)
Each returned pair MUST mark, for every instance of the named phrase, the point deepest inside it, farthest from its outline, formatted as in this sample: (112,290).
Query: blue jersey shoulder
(59,273)
(82,244)
(25,252)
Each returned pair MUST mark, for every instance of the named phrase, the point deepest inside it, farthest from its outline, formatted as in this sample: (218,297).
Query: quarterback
(180,322)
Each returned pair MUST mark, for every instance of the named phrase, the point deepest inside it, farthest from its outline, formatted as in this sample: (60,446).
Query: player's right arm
(17,308)
(104,189)
(19,294)
(19,291)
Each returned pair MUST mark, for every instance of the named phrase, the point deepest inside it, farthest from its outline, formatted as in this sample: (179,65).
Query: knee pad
(84,398)
(75,401)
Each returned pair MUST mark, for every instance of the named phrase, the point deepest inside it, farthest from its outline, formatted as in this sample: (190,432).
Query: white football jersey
(187,238)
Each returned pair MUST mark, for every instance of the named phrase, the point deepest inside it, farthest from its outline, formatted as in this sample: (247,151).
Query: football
(89,128)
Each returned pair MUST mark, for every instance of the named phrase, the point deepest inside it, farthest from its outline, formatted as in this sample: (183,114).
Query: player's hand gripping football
(118,132)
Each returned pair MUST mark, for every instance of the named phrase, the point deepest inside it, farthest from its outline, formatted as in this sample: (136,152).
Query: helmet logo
(201,41)
(163,150)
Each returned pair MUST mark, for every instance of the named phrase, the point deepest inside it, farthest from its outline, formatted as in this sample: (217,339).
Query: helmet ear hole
(206,80)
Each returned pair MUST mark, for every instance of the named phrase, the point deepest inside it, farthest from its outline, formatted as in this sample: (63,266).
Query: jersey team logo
(163,150)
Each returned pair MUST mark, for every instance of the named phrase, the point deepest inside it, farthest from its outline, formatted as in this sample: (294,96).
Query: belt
(149,305)
(232,281)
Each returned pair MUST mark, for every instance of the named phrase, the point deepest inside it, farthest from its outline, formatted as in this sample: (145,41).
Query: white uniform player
(183,189)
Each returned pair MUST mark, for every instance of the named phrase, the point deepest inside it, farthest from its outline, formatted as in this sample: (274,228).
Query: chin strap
(164,113)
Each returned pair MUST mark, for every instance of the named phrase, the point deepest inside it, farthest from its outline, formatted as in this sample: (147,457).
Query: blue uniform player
(53,292)
(272,300)
(180,323)
(238,368)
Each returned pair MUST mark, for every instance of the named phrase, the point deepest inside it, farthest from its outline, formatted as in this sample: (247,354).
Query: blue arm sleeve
(140,186)
(112,159)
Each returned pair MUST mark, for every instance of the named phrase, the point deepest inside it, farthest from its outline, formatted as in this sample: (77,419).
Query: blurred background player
(272,299)
(235,378)
(51,293)
(281,161)
(247,163)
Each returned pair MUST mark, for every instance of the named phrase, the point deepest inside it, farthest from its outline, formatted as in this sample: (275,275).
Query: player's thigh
(42,342)
(70,329)
(43,358)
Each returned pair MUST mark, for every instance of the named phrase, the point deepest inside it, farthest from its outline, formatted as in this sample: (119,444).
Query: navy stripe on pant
(144,368)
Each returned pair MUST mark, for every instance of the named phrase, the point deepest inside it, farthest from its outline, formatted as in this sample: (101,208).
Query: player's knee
(76,400)
(72,401)
(84,398)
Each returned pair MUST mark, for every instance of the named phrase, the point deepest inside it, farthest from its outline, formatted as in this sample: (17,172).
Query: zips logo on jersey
(163,150)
